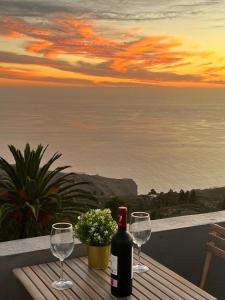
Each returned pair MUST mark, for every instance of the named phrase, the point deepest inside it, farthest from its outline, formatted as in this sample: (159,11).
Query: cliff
(104,186)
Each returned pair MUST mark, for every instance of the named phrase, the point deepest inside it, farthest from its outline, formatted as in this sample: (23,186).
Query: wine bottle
(121,258)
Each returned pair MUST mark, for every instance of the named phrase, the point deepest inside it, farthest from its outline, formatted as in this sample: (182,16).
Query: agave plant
(32,196)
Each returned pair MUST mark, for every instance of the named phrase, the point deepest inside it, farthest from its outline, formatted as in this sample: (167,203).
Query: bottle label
(114,282)
(114,264)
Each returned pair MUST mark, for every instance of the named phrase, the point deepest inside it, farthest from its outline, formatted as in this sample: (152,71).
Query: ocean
(163,138)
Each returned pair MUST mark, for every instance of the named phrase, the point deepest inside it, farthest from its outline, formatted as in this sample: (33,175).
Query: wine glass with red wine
(140,228)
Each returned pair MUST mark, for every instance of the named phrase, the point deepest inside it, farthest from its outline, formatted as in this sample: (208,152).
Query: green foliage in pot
(32,196)
(95,227)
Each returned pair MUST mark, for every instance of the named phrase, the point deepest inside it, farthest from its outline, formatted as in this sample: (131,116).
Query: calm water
(161,138)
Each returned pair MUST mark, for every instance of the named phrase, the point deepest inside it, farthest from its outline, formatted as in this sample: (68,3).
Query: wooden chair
(215,246)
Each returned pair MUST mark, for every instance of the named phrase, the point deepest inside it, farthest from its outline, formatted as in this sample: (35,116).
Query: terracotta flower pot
(98,256)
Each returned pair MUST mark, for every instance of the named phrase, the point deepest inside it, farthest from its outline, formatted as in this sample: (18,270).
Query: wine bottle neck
(122,228)
(122,217)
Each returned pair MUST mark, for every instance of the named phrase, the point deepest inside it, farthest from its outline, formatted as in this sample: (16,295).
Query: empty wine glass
(61,245)
(140,228)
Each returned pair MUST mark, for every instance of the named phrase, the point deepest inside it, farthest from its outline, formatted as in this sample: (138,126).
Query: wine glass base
(62,284)
(140,268)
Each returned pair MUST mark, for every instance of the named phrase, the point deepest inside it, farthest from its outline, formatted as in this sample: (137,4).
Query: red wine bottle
(121,258)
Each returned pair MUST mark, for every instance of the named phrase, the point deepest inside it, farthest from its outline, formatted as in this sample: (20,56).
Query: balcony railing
(178,243)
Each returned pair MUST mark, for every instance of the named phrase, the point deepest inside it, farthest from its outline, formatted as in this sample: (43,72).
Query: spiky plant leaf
(32,196)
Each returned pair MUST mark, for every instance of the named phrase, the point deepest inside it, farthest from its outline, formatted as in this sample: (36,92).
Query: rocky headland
(113,192)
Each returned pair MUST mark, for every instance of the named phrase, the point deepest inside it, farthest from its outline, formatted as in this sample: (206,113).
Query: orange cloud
(11,26)
(216,69)
(157,59)
(39,46)
(144,52)
(74,37)
(10,34)
(13,73)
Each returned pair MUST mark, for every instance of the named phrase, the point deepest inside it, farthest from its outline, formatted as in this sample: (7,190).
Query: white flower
(98,225)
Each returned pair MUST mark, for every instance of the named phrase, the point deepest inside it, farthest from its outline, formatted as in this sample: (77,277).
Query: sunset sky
(117,43)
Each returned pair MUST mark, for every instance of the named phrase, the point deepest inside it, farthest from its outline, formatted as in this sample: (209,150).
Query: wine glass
(61,245)
(140,228)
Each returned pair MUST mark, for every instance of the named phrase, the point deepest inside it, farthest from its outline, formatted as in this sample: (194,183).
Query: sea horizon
(162,138)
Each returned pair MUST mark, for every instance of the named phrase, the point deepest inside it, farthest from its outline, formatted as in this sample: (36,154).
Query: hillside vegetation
(172,203)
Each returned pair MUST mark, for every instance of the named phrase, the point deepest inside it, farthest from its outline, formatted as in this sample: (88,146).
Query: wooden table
(158,283)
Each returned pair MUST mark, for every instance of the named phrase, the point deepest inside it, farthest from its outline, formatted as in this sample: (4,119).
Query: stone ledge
(42,243)
(27,245)
(188,221)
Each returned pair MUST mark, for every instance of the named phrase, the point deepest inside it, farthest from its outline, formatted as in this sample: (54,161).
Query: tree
(152,192)
(32,197)
(113,205)
(187,196)
(193,197)
(182,196)
(223,204)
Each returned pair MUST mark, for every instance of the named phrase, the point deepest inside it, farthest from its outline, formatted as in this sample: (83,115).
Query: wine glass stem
(61,269)
(139,255)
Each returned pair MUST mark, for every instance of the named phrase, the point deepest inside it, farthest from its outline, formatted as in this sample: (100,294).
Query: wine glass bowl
(140,228)
(61,245)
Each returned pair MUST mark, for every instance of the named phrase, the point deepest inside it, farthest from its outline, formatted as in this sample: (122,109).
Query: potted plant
(95,228)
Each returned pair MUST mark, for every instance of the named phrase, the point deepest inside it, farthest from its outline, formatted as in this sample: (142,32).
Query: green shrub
(96,227)
(32,197)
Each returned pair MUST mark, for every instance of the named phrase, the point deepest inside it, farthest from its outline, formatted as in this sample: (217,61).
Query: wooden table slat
(42,286)
(146,286)
(82,283)
(159,283)
(97,276)
(167,285)
(155,287)
(151,286)
(176,279)
(179,290)
(105,276)
(54,276)
(28,284)
(142,290)
(97,283)
(158,289)
(58,294)
(77,290)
